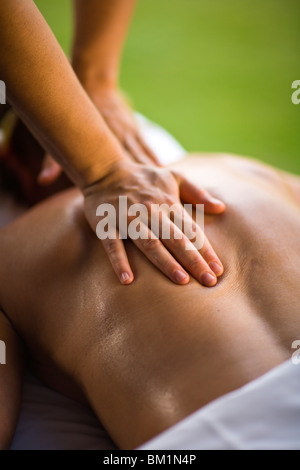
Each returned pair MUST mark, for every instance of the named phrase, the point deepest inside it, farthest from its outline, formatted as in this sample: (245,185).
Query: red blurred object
(20,164)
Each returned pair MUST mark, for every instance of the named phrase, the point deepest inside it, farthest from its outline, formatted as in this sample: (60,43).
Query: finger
(136,150)
(188,256)
(114,125)
(211,258)
(126,133)
(119,123)
(117,255)
(50,171)
(194,232)
(148,151)
(154,250)
(190,193)
(125,136)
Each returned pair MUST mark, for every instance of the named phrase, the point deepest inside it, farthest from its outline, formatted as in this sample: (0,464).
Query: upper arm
(11,378)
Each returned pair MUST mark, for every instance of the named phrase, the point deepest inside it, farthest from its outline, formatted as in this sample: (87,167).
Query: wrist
(114,176)
(93,155)
(100,171)
(93,73)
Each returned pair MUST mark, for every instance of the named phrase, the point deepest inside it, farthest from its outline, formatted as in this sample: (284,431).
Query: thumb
(50,171)
(192,194)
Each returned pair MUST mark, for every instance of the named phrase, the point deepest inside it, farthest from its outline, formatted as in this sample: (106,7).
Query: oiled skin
(146,355)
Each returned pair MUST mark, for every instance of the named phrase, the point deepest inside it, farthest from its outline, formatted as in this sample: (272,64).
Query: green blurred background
(216,73)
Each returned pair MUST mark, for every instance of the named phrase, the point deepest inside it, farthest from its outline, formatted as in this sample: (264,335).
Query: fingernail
(46,173)
(180,276)
(44,176)
(216,268)
(208,279)
(214,200)
(124,277)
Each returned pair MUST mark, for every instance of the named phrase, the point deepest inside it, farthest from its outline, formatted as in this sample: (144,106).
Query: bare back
(146,355)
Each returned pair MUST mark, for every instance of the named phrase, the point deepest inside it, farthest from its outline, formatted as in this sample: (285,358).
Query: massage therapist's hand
(120,119)
(58,112)
(152,185)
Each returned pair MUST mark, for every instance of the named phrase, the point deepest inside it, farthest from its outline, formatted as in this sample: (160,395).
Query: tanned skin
(147,355)
(48,97)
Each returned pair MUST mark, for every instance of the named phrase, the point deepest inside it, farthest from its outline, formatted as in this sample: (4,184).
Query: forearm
(47,95)
(100,31)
